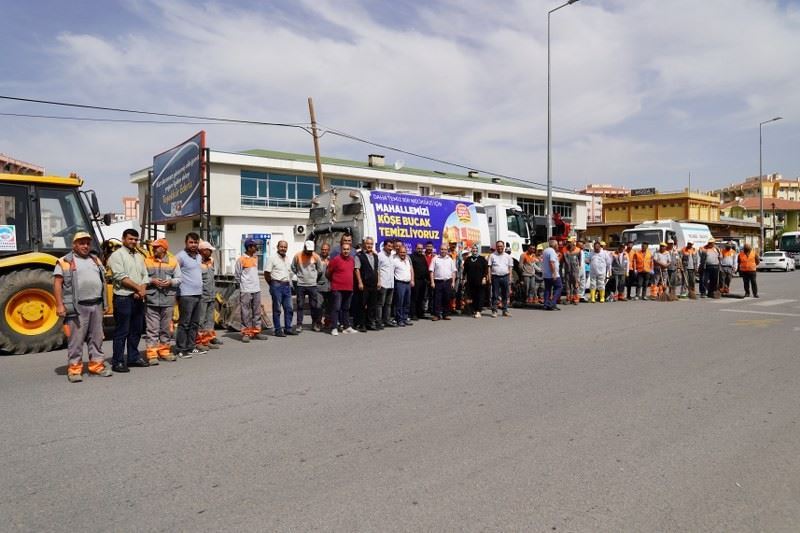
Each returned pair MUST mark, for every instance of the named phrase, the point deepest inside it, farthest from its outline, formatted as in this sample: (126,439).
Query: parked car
(776,261)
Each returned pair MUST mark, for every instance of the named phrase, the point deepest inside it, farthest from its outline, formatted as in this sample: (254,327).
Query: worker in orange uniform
(164,277)
(727,266)
(642,261)
(79,287)
(246,274)
(207,334)
(747,266)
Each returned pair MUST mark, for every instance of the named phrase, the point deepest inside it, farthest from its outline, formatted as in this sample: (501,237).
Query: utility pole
(316,144)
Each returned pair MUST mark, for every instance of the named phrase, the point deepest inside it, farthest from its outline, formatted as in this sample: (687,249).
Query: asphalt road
(639,416)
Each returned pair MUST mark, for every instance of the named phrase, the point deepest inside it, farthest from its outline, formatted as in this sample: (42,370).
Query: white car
(776,261)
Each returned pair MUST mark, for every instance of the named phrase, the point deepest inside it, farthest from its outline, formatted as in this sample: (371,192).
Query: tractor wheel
(29,320)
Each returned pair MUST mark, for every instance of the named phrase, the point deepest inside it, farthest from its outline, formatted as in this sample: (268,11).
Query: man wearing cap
(246,274)
(691,264)
(165,276)
(675,267)
(661,265)
(572,267)
(207,334)
(130,278)
(709,261)
(599,272)
(307,266)
(79,287)
(727,266)
(747,265)
(277,273)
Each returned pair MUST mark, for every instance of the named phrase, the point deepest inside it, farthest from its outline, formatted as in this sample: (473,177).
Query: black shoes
(140,363)
(291,332)
(120,368)
(280,333)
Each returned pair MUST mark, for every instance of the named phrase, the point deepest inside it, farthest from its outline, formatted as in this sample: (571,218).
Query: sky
(644,93)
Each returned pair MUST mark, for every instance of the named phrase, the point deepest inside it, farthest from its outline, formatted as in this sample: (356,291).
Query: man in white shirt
(500,264)
(403,283)
(385,285)
(277,275)
(443,280)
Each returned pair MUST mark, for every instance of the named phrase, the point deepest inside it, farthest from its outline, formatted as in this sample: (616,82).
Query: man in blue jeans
(277,275)
(130,278)
(501,265)
(191,291)
(552,279)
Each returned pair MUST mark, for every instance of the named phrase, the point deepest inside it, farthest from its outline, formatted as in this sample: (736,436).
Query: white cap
(309,246)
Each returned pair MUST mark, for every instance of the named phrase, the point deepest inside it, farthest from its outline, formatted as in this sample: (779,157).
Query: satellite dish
(399,164)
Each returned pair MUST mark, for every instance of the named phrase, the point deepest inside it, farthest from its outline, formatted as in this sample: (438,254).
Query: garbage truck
(416,219)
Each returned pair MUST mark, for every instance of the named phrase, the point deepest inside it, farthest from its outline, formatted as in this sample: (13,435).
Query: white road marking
(759,312)
(770,303)
(726,300)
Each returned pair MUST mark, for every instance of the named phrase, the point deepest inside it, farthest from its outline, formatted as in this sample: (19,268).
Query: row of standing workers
(630,272)
(352,290)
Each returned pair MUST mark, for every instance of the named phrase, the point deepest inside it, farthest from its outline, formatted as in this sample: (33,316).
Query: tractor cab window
(14,235)
(61,216)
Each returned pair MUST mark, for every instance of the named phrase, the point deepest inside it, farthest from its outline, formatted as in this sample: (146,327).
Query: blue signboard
(177,188)
(418,219)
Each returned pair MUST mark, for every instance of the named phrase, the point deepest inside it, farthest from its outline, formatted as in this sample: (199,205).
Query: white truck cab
(654,232)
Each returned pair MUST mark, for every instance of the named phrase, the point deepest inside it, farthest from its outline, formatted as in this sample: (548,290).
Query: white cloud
(641,90)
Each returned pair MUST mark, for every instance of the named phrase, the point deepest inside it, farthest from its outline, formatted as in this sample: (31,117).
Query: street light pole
(549,217)
(762,236)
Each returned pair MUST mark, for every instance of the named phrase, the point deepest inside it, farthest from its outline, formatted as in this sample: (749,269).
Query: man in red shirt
(340,272)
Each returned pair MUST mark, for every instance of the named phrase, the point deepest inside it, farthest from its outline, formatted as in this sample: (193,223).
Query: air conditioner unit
(300,229)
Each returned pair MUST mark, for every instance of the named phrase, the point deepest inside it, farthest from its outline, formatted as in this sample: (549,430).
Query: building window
(424,191)
(387,186)
(351,183)
(477,196)
(532,207)
(494,195)
(563,208)
(265,189)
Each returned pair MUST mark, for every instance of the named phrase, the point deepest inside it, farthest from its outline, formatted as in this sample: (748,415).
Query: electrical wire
(302,126)
(221,121)
(441,161)
(115,120)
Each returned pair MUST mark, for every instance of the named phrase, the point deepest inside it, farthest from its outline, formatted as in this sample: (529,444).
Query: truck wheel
(29,320)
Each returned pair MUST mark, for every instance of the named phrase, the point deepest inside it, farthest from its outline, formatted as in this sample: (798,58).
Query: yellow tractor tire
(29,321)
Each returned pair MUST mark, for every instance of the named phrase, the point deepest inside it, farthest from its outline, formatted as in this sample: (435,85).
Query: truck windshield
(638,236)
(790,243)
(60,217)
(516,223)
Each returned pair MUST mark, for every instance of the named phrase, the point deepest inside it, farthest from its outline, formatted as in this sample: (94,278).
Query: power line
(220,120)
(441,161)
(301,126)
(116,120)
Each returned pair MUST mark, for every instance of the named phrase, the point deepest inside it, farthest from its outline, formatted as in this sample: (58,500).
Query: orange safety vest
(747,263)
(643,262)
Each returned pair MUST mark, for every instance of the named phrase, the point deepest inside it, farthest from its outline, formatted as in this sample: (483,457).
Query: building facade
(598,192)
(268,194)
(15,166)
(775,186)
(682,206)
